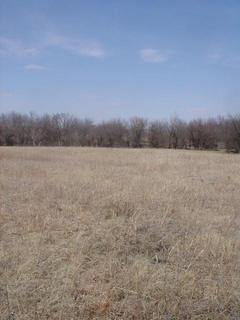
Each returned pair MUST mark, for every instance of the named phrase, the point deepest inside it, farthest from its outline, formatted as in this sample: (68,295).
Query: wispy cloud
(216,57)
(76,46)
(85,48)
(226,59)
(196,112)
(153,56)
(15,47)
(34,67)
(5,94)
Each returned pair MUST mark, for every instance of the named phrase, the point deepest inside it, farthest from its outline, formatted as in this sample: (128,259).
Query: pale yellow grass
(119,234)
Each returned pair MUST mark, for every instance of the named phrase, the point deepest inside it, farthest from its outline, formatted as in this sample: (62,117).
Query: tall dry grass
(119,234)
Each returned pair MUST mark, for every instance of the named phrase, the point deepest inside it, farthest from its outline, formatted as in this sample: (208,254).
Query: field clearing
(119,234)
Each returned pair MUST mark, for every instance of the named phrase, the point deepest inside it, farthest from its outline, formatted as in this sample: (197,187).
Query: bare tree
(137,131)
(34,130)
(232,136)
(65,130)
(203,134)
(158,134)
(177,133)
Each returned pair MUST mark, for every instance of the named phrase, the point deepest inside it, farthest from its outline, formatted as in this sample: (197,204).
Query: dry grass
(119,234)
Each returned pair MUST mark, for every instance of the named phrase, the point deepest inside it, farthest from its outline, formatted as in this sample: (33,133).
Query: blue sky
(119,58)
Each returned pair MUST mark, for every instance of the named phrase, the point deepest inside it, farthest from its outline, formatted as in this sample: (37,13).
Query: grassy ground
(119,234)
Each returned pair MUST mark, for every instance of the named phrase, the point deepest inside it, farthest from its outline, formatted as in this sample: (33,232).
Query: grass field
(119,234)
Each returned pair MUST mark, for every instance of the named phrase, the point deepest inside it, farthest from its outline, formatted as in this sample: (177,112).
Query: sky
(104,59)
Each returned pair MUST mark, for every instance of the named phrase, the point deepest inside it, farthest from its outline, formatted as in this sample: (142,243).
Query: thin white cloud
(76,46)
(86,48)
(216,57)
(15,47)
(196,112)
(5,94)
(34,67)
(226,59)
(153,56)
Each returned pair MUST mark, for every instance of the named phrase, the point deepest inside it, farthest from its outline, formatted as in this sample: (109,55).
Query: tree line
(62,129)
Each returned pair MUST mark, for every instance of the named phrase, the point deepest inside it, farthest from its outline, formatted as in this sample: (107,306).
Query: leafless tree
(137,130)
(65,130)
(232,133)
(177,133)
(158,134)
(203,134)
